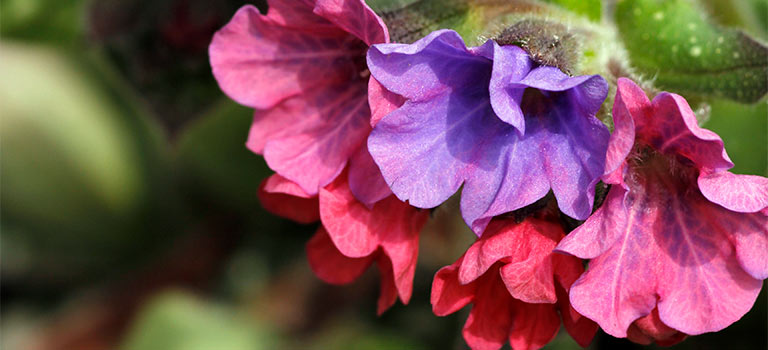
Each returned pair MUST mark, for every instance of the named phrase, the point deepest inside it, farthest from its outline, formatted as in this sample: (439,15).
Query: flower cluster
(366,136)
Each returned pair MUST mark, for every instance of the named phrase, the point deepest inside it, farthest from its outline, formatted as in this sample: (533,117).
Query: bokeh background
(129,211)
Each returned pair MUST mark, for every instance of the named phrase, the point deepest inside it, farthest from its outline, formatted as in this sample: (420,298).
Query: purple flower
(489,118)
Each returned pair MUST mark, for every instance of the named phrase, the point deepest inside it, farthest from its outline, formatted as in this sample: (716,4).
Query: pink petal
(388,290)
(741,193)
(448,295)
(598,233)
(259,60)
(399,237)
(381,100)
(329,264)
(673,130)
(630,100)
(349,223)
(365,180)
(649,329)
(526,250)
(355,17)
(666,252)
(533,325)
(581,329)
(284,198)
(749,234)
(308,140)
(490,321)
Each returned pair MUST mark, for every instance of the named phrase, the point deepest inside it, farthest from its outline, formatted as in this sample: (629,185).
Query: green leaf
(592,9)
(674,44)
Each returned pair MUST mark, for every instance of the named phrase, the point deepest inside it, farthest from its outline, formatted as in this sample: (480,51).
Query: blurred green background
(129,211)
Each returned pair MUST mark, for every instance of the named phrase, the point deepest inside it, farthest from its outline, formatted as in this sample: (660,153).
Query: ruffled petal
(533,325)
(284,198)
(490,321)
(355,17)
(598,233)
(329,264)
(350,224)
(673,130)
(650,329)
(510,65)
(630,100)
(309,140)
(448,295)
(260,60)
(388,288)
(741,193)
(526,251)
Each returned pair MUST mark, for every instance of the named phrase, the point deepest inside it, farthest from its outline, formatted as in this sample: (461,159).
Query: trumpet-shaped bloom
(677,233)
(302,67)
(516,284)
(486,117)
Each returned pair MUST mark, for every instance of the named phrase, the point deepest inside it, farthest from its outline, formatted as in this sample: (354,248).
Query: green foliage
(177,321)
(388,5)
(592,9)
(673,43)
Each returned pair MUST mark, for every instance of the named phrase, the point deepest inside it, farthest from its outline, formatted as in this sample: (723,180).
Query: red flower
(516,285)
(353,236)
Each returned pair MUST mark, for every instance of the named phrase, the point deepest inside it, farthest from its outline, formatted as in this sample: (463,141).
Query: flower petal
(349,223)
(448,295)
(284,198)
(741,193)
(388,288)
(329,264)
(308,140)
(510,65)
(630,100)
(598,233)
(533,325)
(365,179)
(355,17)
(260,60)
(381,101)
(490,321)
(673,129)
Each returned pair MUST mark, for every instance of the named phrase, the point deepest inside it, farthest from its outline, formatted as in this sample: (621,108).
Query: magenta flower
(302,67)
(677,232)
(516,284)
(488,118)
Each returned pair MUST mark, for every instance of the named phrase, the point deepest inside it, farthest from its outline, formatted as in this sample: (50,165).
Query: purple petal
(510,65)
(741,193)
(439,60)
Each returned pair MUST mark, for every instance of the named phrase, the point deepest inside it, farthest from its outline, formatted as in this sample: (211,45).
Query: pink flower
(678,235)
(302,67)
(516,284)
(353,237)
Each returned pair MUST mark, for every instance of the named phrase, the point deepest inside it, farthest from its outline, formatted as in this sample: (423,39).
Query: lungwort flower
(353,236)
(517,286)
(486,117)
(679,237)
(302,67)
